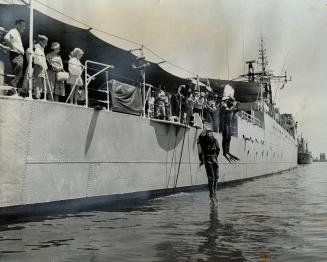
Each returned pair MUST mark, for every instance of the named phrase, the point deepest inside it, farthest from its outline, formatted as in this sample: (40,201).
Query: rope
(168,62)
(7,1)
(278,87)
(84,24)
(189,156)
(171,165)
(180,161)
(116,36)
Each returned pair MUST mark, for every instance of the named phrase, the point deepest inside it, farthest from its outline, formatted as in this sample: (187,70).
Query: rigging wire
(168,62)
(281,74)
(7,1)
(116,36)
(180,161)
(83,23)
(171,164)
(189,157)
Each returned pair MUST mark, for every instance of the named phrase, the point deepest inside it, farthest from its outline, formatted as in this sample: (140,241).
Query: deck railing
(88,78)
(251,119)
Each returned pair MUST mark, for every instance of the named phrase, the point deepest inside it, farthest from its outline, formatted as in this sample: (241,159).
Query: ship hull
(56,153)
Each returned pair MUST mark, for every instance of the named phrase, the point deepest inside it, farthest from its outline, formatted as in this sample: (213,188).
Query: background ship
(62,155)
(304,156)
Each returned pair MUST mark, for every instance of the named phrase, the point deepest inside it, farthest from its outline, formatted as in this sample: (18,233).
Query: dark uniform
(227,112)
(184,92)
(208,149)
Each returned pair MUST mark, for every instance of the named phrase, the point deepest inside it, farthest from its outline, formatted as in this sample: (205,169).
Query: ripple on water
(276,218)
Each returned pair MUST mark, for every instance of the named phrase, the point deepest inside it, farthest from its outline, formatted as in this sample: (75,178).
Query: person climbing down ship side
(228,108)
(208,149)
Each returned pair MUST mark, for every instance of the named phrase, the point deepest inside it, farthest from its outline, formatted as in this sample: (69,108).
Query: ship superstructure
(304,156)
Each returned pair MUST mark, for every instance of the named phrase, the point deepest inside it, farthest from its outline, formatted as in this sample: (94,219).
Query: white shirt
(14,41)
(39,57)
(75,66)
(199,102)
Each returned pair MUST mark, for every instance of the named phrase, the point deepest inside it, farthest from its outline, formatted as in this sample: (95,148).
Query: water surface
(277,218)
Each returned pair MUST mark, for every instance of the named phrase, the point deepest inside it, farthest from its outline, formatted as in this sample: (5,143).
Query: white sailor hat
(55,45)
(42,38)
(209,128)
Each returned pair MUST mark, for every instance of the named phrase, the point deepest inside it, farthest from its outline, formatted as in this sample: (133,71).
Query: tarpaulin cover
(94,49)
(244,91)
(125,98)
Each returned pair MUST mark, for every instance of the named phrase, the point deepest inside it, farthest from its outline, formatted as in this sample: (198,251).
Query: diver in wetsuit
(208,149)
(227,110)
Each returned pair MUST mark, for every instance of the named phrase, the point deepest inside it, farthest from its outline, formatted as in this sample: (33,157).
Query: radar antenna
(265,78)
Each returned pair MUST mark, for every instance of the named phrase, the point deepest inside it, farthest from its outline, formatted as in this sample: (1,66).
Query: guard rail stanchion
(89,78)
(45,88)
(85,86)
(108,97)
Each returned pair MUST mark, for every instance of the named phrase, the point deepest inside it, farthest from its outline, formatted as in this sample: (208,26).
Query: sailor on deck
(14,42)
(40,67)
(208,149)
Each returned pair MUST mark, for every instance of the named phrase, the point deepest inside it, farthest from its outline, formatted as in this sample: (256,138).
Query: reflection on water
(277,218)
(214,246)
(211,245)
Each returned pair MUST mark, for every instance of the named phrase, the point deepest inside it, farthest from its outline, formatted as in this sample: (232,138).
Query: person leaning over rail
(75,69)
(208,150)
(55,66)
(174,107)
(40,67)
(150,101)
(168,107)
(228,109)
(14,42)
(141,64)
(214,109)
(184,92)
(199,102)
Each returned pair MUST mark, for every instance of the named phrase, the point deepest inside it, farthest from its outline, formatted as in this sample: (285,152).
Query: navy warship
(55,155)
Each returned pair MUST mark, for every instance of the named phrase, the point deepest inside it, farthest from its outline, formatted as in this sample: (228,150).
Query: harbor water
(276,218)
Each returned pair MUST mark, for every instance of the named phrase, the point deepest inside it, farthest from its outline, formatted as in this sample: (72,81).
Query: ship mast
(262,57)
(264,79)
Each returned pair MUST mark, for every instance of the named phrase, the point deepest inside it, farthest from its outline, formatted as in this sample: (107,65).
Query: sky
(213,38)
